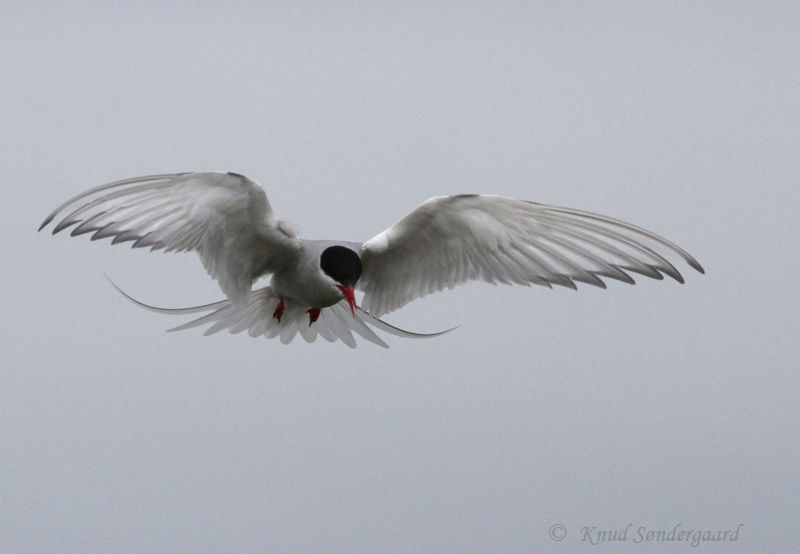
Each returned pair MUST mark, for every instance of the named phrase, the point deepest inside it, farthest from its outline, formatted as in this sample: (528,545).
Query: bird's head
(343,266)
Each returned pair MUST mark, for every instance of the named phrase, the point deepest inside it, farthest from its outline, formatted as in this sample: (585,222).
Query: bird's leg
(279,310)
(313,315)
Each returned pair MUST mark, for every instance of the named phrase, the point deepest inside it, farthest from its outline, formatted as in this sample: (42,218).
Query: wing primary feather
(650,270)
(547,275)
(631,227)
(86,226)
(101,188)
(633,264)
(607,270)
(576,272)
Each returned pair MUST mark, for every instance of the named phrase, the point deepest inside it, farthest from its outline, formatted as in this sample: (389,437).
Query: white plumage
(448,240)
(227,219)
(224,217)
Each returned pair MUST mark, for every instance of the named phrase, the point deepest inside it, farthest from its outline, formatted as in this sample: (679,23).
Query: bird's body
(303,282)
(227,219)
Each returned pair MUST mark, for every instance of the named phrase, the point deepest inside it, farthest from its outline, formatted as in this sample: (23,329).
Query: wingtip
(696,266)
(44,224)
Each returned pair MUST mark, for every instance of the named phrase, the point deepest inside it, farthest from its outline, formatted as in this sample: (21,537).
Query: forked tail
(255,315)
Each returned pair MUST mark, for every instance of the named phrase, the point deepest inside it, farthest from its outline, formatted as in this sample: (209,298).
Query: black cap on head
(341,264)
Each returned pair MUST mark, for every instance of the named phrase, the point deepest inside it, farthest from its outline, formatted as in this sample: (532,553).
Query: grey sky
(652,405)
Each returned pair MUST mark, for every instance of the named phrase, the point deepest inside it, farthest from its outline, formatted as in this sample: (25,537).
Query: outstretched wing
(224,217)
(452,239)
(256,316)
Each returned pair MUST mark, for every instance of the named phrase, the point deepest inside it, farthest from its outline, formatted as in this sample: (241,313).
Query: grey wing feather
(450,240)
(224,217)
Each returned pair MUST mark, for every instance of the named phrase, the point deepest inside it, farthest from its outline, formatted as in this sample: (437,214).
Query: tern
(445,241)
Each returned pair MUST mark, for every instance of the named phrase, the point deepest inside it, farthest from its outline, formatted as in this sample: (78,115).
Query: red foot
(313,315)
(279,310)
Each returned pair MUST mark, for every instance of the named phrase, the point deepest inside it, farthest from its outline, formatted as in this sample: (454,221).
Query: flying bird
(445,241)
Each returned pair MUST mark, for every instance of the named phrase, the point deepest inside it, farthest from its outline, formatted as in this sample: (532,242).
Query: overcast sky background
(651,405)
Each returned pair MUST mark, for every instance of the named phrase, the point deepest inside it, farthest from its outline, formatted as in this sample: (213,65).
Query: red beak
(349,295)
